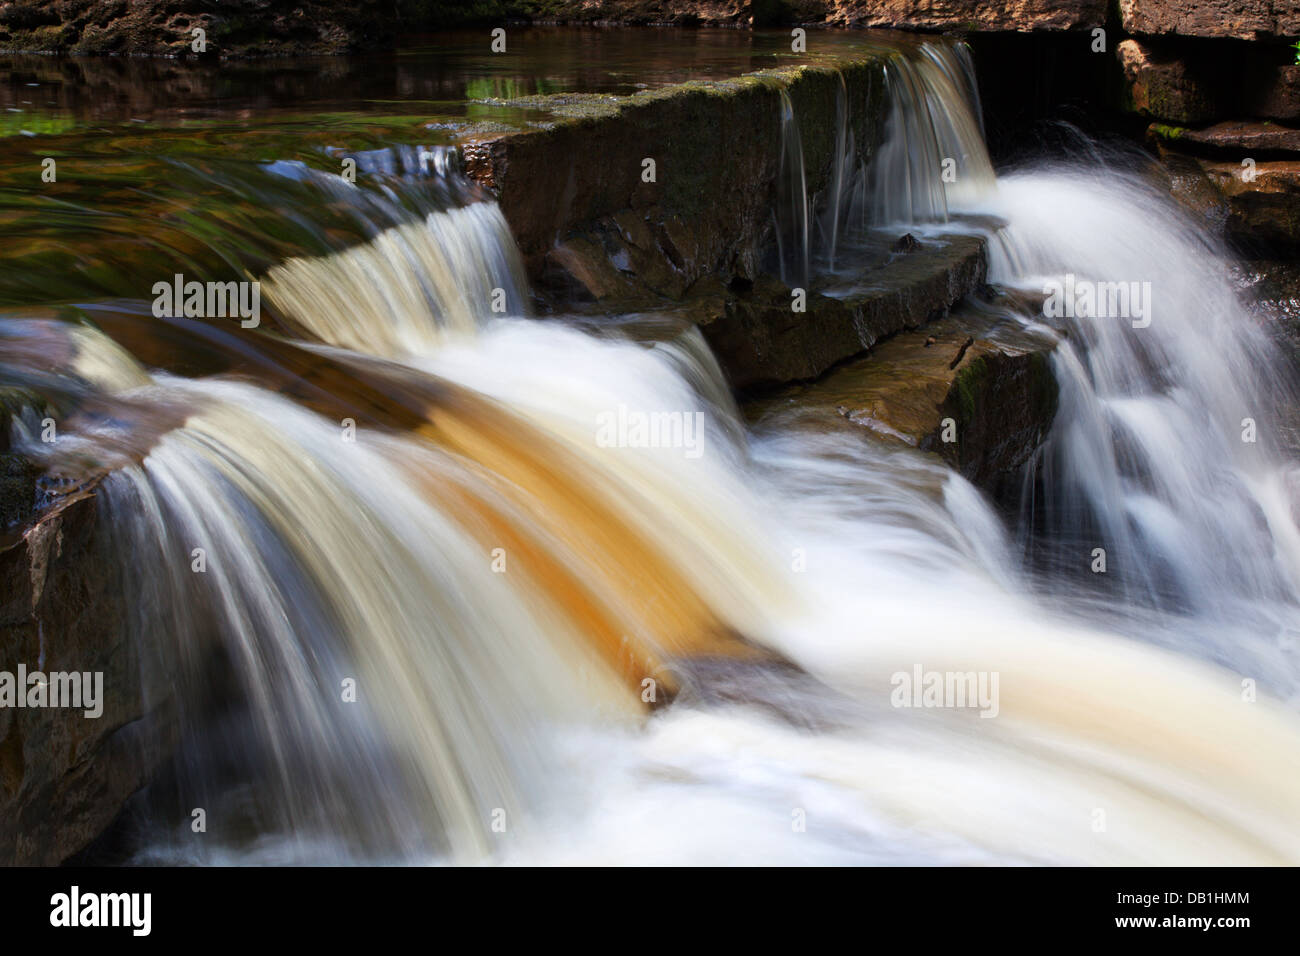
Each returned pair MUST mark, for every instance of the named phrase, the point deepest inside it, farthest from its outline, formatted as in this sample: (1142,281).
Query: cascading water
(417,498)
(792,214)
(931,158)
(1166,452)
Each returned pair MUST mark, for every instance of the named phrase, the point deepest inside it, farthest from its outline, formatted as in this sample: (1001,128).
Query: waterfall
(792,213)
(432,588)
(931,160)
(1167,450)
(932,156)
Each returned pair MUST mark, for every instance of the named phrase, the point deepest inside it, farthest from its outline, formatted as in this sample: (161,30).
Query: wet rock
(676,183)
(1263,203)
(761,341)
(1241,179)
(906,243)
(1164,86)
(975,388)
(64,776)
(1255,202)
(1188,184)
(1242,19)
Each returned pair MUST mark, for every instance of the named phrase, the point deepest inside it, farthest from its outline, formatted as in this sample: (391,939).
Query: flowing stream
(418,609)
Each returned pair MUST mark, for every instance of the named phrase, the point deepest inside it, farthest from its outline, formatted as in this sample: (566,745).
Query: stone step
(1240,137)
(760,341)
(975,388)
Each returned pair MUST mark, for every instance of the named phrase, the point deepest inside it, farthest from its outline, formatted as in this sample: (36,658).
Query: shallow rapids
(432,592)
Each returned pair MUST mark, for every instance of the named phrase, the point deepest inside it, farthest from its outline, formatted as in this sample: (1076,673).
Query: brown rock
(1265,206)
(760,340)
(1243,19)
(1241,137)
(1188,184)
(988,375)
(164,27)
(1162,86)
(1019,16)
(65,776)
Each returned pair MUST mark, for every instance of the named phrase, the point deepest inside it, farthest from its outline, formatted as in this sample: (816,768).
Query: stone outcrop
(1164,86)
(1241,178)
(673,184)
(65,776)
(760,340)
(1222,112)
(1263,208)
(991,378)
(163,28)
(262,28)
(1018,16)
(1240,19)
(1242,138)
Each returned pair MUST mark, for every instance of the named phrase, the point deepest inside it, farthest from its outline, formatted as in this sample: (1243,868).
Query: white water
(1120,737)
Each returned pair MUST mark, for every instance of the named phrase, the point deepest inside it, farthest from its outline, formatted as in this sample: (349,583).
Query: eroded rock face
(1020,16)
(1165,87)
(65,776)
(160,27)
(969,15)
(1242,19)
(974,378)
(665,12)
